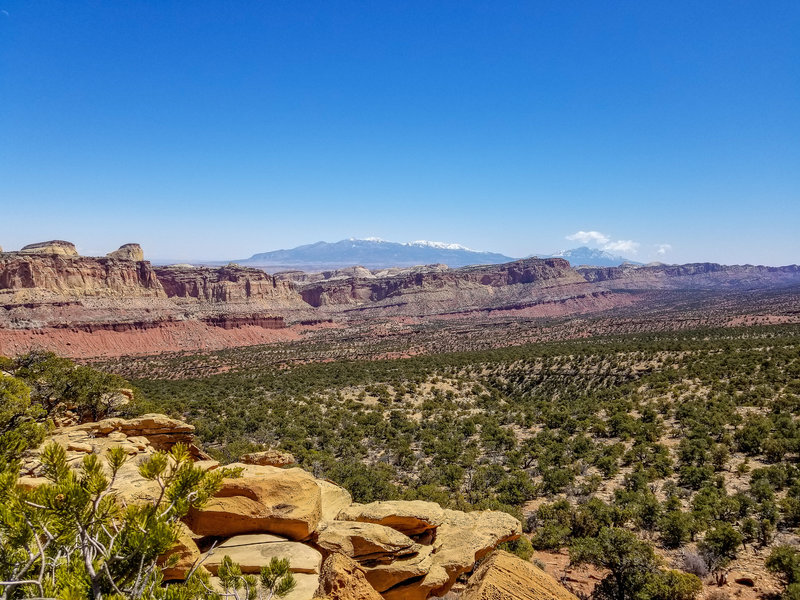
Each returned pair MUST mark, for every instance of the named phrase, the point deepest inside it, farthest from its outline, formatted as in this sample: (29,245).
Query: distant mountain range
(374,253)
(591,257)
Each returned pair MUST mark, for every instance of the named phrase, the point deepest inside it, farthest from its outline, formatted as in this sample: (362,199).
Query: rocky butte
(338,549)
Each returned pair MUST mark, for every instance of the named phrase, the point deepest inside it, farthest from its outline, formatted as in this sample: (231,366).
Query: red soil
(180,336)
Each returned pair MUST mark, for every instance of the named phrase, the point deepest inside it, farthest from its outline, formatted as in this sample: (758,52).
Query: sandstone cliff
(396,550)
(119,304)
(490,284)
(694,276)
(76,276)
(128,252)
(58,247)
(231,283)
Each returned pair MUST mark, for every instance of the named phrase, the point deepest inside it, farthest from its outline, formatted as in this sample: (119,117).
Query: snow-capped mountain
(591,257)
(373,253)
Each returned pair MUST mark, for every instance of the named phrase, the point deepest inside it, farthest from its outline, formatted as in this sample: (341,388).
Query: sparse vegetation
(688,439)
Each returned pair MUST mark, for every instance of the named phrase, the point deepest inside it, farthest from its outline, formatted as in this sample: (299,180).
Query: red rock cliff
(231,283)
(78,275)
(469,282)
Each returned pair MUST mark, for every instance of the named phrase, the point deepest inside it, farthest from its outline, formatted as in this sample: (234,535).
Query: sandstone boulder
(365,541)
(128,252)
(409,517)
(384,576)
(269,458)
(343,579)
(187,554)
(59,247)
(334,499)
(285,502)
(461,539)
(252,552)
(504,576)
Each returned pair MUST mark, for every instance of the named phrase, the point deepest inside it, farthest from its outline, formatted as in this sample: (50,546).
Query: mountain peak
(373,253)
(592,256)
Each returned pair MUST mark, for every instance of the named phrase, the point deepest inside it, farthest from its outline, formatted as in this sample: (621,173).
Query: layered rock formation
(394,550)
(695,276)
(439,285)
(71,276)
(230,283)
(503,576)
(57,247)
(52,298)
(128,252)
(119,304)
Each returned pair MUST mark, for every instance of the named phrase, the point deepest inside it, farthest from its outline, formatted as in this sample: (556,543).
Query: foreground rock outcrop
(287,502)
(503,576)
(343,579)
(390,550)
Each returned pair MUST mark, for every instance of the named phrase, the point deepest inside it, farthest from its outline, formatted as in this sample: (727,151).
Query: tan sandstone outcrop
(334,499)
(128,252)
(59,247)
(263,500)
(409,517)
(405,550)
(460,540)
(269,458)
(140,437)
(343,579)
(254,551)
(365,541)
(401,572)
(504,576)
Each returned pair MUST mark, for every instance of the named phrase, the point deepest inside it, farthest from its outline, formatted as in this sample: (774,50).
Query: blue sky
(218,129)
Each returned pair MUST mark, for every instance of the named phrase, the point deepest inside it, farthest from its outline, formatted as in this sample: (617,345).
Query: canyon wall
(230,283)
(695,276)
(51,297)
(76,276)
(464,282)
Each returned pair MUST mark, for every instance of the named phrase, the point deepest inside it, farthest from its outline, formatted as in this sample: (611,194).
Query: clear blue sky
(219,129)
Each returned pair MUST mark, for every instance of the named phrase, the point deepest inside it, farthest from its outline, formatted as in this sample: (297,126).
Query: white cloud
(601,240)
(662,249)
(622,246)
(589,237)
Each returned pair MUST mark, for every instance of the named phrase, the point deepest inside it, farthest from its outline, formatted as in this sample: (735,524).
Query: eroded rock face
(139,437)
(365,541)
(230,283)
(404,550)
(696,276)
(408,517)
(400,571)
(478,283)
(504,576)
(59,247)
(285,502)
(69,275)
(461,539)
(269,458)
(334,499)
(343,579)
(252,552)
(128,252)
